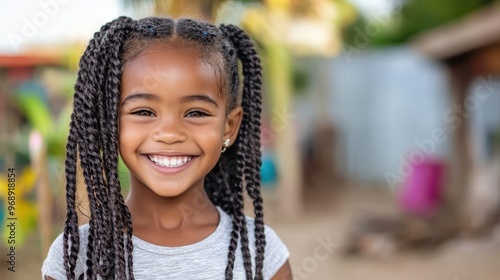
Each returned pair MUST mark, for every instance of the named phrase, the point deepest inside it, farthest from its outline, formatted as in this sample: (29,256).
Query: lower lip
(168,170)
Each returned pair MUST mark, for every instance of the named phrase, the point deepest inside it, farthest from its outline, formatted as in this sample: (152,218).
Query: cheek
(126,137)
(209,137)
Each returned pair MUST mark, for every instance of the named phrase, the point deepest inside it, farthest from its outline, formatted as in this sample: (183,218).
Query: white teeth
(169,161)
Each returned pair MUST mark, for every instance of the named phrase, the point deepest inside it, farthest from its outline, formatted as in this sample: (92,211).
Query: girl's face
(172,120)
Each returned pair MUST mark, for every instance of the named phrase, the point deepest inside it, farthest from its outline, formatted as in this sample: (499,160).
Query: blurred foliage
(284,29)
(302,28)
(407,18)
(53,130)
(38,116)
(30,109)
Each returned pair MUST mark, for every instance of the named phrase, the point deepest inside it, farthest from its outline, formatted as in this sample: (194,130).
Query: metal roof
(473,31)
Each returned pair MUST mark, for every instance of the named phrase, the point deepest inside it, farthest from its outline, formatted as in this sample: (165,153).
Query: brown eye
(143,112)
(196,114)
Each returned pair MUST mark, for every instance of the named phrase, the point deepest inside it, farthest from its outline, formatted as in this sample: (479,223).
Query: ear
(232,125)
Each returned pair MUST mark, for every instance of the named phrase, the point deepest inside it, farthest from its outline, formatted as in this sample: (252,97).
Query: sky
(371,8)
(40,21)
(31,22)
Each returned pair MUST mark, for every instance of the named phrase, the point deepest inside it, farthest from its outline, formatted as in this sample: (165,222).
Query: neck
(149,210)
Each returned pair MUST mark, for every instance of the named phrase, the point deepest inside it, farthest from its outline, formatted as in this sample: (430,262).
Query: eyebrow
(147,96)
(199,97)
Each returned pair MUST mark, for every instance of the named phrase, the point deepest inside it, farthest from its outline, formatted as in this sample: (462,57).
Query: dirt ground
(316,237)
(330,214)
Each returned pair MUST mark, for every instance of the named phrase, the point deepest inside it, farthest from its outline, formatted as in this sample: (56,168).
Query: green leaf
(36,111)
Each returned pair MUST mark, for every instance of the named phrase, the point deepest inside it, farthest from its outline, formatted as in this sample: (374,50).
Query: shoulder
(271,235)
(272,238)
(53,264)
(276,252)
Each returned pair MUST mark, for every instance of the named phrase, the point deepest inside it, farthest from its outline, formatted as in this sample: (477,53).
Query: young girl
(164,95)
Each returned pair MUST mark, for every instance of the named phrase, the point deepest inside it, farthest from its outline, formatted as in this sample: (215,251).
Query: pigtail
(249,135)
(71,233)
(96,95)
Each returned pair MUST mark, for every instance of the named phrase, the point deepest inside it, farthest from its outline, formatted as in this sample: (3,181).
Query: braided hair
(93,141)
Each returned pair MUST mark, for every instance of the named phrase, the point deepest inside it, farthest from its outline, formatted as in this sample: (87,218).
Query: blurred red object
(29,60)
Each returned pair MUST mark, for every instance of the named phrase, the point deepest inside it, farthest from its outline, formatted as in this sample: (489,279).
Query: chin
(169,192)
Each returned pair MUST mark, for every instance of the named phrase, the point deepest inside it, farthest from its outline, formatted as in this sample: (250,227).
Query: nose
(169,131)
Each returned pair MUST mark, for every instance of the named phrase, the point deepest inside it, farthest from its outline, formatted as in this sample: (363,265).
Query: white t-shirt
(206,259)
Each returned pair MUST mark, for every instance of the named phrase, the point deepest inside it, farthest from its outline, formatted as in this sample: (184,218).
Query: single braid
(71,224)
(237,188)
(233,245)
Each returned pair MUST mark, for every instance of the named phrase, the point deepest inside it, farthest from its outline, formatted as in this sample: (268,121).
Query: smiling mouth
(170,161)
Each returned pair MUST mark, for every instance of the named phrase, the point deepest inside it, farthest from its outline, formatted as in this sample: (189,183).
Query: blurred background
(381,128)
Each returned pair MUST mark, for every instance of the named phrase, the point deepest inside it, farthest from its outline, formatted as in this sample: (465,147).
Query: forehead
(164,68)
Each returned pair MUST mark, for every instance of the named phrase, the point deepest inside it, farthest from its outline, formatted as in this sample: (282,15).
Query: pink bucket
(422,190)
